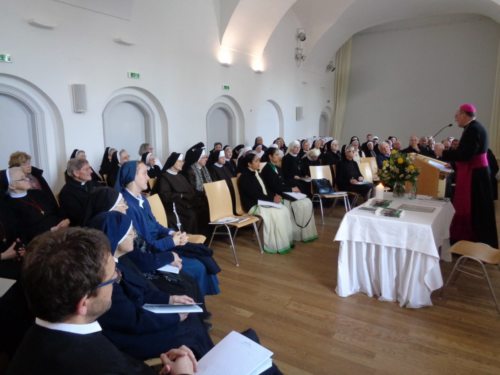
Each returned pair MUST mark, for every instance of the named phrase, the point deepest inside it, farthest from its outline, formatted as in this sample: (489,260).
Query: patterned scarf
(202,176)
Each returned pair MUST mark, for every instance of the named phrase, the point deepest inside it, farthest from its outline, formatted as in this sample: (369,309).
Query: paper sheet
(235,354)
(269,204)
(172,309)
(169,268)
(5,285)
(296,196)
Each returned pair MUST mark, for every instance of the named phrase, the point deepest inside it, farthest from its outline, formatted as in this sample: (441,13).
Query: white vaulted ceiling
(246,26)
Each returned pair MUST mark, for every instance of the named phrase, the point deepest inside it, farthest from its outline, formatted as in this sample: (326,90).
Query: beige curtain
(494,126)
(340,88)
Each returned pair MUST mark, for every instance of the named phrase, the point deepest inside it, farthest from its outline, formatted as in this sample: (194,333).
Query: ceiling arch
(249,24)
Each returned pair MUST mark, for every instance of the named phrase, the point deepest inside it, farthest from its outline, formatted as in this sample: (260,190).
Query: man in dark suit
(74,195)
(68,278)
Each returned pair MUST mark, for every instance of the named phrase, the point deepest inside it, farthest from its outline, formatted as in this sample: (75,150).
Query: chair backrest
(366,170)
(238,207)
(219,199)
(481,251)
(321,171)
(158,209)
(152,183)
(373,164)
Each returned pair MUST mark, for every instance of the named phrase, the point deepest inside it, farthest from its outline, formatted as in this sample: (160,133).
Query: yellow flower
(394,152)
(401,160)
(411,168)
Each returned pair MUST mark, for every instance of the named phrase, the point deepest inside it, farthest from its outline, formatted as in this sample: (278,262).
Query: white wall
(409,78)
(176,45)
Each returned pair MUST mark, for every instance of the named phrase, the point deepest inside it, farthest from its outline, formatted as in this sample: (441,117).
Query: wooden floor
(290,301)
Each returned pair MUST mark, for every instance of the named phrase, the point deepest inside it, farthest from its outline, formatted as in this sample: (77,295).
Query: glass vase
(413,190)
(398,189)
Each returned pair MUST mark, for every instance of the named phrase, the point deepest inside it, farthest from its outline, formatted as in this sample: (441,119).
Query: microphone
(440,130)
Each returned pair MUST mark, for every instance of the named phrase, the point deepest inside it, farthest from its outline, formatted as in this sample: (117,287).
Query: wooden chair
(373,164)
(366,170)
(161,217)
(323,171)
(152,183)
(221,214)
(237,202)
(477,252)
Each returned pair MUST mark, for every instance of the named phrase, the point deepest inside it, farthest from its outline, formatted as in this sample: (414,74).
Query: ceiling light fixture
(299,50)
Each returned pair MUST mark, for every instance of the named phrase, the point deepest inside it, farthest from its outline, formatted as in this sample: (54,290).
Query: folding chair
(221,214)
(161,217)
(477,252)
(323,171)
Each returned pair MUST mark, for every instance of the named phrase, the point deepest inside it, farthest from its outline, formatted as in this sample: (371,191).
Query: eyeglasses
(22,179)
(113,280)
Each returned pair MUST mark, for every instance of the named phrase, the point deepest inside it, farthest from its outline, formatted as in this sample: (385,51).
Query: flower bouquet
(398,170)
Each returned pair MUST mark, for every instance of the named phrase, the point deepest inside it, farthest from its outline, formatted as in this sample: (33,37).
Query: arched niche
(268,122)
(279,113)
(133,116)
(31,122)
(225,121)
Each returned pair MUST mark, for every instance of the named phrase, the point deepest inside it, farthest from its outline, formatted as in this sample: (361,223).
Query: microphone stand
(440,130)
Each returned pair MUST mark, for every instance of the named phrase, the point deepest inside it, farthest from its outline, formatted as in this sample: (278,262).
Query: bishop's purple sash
(461,226)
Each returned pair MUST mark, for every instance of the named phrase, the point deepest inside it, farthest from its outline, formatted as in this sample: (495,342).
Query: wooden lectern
(432,178)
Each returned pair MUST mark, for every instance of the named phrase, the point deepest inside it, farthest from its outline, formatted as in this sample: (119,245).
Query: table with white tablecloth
(395,259)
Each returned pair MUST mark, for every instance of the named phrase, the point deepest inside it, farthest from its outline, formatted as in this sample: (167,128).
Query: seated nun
(278,235)
(197,260)
(197,173)
(182,204)
(154,171)
(105,200)
(138,332)
(304,226)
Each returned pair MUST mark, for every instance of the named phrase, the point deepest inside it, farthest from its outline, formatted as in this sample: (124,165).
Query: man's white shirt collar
(79,329)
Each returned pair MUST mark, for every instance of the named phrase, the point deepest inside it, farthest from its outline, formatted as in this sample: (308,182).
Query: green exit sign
(225,87)
(5,57)
(134,75)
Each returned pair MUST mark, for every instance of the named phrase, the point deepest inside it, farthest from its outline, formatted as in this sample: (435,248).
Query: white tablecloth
(396,259)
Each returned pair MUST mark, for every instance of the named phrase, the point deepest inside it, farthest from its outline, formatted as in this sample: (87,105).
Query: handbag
(322,186)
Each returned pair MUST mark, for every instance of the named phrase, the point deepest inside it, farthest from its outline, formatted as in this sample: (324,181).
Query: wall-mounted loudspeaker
(79,92)
(299,113)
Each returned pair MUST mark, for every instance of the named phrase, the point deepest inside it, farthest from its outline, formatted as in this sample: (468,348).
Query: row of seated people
(28,211)
(126,324)
(79,283)
(42,213)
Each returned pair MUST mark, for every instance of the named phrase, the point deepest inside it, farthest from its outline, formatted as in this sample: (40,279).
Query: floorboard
(290,301)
